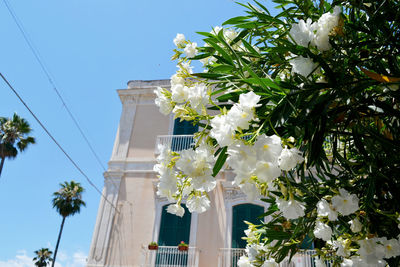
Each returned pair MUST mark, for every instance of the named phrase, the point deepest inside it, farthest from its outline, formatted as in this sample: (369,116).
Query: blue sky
(91,48)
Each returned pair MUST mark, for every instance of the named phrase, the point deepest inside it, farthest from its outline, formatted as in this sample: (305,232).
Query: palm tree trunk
(58,242)
(2,164)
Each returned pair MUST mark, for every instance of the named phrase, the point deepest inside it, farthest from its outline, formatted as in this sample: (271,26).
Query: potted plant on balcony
(183,246)
(153,246)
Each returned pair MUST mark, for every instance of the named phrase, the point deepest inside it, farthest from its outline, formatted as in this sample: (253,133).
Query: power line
(46,71)
(51,80)
(58,144)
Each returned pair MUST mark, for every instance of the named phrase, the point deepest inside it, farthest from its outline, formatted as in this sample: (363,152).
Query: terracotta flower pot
(153,247)
(183,248)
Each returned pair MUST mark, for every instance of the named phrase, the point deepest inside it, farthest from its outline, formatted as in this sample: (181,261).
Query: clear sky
(91,48)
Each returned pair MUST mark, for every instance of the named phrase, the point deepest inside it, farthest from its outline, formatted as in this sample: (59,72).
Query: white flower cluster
(305,33)
(345,204)
(186,175)
(372,252)
(317,33)
(238,117)
(184,99)
(261,160)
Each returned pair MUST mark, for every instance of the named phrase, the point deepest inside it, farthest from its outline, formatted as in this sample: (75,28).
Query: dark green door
(173,230)
(241,213)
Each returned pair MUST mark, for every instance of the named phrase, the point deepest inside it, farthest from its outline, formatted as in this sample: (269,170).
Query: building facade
(121,234)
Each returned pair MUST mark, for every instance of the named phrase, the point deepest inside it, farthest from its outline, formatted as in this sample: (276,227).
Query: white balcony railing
(228,257)
(174,142)
(170,256)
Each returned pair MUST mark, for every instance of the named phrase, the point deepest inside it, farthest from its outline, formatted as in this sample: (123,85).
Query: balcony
(228,257)
(174,142)
(170,256)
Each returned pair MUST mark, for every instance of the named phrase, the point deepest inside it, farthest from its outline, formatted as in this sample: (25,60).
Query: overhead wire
(51,80)
(50,77)
(56,142)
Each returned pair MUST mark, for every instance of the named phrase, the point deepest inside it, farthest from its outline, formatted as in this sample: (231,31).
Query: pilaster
(104,221)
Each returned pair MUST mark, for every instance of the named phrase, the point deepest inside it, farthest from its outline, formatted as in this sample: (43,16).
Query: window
(174,229)
(184,127)
(241,213)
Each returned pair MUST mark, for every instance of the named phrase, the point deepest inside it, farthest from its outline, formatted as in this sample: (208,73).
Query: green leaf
(220,161)
(265,82)
(220,50)
(207,75)
(236,20)
(222,68)
(277,235)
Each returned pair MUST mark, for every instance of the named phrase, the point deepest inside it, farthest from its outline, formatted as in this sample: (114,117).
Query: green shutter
(307,243)
(241,213)
(174,229)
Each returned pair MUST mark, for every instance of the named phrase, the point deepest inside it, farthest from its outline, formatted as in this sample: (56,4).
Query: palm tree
(43,257)
(13,134)
(67,201)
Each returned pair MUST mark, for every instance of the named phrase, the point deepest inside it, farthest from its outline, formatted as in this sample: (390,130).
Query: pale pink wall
(133,226)
(211,230)
(148,123)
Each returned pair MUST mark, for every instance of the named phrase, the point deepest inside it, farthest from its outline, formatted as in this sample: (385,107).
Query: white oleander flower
(216,30)
(342,246)
(198,97)
(242,113)
(324,26)
(198,204)
(250,190)
(184,67)
(325,209)
(167,188)
(303,65)
(175,79)
(190,50)
(291,209)
(371,251)
(176,209)
(322,231)
(391,247)
(252,251)
(180,93)
(204,183)
(230,34)
(268,148)
(355,225)
(267,171)
(345,203)
(270,263)
(398,219)
(319,263)
(239,117)
(303,32)
(196,163)
(163,102)
(244,262)
(222,130)
(179,39)
(347,263)
(249,100)
(289,158)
